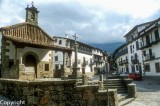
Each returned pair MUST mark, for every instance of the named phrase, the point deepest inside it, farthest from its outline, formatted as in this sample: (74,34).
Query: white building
(91,59)
(121,57)
(151,48)
(141,54)
(134,53)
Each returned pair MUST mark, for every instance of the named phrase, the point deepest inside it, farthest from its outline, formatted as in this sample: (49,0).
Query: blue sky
(94,21)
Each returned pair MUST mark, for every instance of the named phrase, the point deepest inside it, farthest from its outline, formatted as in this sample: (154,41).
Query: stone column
(91,65)
(84,78)
(21,66)
(101,82)
(15,56)
(69,55)
(63,74)
(132,90)
(75,68)
(20,55)
(113,100)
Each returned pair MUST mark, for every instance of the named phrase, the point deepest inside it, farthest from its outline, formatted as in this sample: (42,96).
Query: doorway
(31,64)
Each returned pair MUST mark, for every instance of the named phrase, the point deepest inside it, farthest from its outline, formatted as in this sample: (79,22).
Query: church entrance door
(31,64)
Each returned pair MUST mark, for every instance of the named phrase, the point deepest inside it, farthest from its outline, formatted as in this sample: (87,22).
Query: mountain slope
(110,47)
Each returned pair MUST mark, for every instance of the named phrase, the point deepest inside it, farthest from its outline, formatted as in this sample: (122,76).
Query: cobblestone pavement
(148,93)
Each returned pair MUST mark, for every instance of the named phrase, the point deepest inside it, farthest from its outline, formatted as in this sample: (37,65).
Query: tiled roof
(29,34)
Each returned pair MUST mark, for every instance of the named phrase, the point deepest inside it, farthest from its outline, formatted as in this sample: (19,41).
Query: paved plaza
(148,92)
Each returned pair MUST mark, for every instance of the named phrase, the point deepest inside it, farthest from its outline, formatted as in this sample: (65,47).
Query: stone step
(119,90)
(115,86)
(125,102)
(112,84)
(113,81)
(122,96)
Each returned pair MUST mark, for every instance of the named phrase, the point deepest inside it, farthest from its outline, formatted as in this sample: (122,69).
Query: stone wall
(56,93)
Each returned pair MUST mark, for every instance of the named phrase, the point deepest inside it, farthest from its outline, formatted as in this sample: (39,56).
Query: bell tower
(32,14)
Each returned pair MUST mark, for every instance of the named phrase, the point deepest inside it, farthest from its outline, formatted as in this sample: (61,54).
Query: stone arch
(31,53)
(30,60)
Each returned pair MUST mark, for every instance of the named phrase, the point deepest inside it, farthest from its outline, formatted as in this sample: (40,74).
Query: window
(136,67)
(144,53)
(60,42)
(126,58)
(157,67)
(56,58)
(133,69)
(11,64)
(62,66)
(156,34)
(55,40)
(127,70)
(136,56)
(131,48)
(150,52)
(56,66)
(79,61)
(147,68)
(46,67)
(32,16)
(137,45)
(147,40)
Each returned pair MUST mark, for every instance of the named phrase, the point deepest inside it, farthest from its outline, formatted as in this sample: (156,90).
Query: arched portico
(30,60)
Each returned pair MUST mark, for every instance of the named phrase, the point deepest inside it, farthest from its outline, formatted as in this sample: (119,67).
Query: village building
(121,57)
(27,50)
(90,59)
(142,49)
(151,48)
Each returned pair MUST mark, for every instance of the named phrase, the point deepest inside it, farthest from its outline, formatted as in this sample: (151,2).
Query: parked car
(116,73)
(124,75)
(135,76)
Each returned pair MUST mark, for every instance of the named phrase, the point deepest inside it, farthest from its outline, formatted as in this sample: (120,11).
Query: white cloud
(97,21)
(135,8)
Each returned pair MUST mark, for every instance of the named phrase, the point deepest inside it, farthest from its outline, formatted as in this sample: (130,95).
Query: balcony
(120,63)
(156,41)
(149,44)
(150,57)
(98,60)
(123,52)
(123,62)
(134,60)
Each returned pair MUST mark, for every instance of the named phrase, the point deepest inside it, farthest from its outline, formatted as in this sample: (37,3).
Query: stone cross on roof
(32,4)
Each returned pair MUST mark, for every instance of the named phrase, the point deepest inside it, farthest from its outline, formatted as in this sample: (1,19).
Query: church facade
(27,50)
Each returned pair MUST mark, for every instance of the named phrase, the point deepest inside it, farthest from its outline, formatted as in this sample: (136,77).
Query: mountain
(109,47)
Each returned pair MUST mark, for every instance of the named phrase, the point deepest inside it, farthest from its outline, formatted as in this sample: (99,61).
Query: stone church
(27,50)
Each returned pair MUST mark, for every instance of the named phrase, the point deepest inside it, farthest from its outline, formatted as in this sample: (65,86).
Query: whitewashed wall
(43,54)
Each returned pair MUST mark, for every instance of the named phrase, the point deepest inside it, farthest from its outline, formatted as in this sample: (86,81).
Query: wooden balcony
(150,44)
(121,63)
(150,57)
(134,60)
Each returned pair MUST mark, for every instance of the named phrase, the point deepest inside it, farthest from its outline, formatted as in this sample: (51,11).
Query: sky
(94,21)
